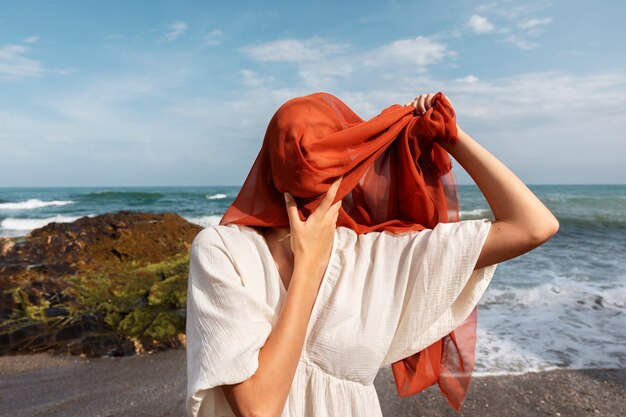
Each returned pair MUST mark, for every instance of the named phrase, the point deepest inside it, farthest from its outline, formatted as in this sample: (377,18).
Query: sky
(165,93)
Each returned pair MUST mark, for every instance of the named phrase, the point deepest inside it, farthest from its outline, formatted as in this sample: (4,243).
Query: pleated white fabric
(383,297)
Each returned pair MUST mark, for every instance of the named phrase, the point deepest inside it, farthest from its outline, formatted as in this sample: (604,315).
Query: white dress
(383,297)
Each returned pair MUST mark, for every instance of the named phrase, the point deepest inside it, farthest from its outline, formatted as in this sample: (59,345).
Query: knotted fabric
(396,177)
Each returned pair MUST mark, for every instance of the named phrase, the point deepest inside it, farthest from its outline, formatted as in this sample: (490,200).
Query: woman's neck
(278,242)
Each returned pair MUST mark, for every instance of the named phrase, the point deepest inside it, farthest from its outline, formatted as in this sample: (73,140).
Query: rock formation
(113,284)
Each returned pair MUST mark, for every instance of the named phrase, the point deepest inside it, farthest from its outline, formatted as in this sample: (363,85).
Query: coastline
(154,385)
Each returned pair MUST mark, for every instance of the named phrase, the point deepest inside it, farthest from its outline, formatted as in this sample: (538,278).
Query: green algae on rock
(106,285)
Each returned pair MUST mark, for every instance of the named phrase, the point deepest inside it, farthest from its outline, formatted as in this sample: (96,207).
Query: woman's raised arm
(522,221)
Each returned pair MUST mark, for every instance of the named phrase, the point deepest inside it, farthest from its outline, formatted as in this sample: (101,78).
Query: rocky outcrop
(106,285)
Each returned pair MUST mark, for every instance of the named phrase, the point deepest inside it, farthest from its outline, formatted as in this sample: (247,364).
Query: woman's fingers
(446,98)
(292,210)
(328,198)
(429,101)
(325,206)
(333,212)
(421,105)
(332,192)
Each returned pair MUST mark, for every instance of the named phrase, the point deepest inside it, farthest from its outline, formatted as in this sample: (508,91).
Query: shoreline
(154,385)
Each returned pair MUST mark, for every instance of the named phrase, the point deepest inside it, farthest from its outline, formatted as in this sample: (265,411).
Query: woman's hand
(265,392)
(422,103)
(311,241)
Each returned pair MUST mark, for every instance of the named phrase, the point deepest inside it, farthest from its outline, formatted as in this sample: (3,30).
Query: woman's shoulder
(389,244)
(390,237)
(221,235)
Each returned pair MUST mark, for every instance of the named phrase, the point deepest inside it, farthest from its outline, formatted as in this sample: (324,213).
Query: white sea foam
(559,324)
(26,225)
(33,203)
(475,213)
(205,221)
(218,196)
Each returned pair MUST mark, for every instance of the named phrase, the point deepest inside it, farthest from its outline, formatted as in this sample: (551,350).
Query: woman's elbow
(261,412)
(246,401)
(544,230)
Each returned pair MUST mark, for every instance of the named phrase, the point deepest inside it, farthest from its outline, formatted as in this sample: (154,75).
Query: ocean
(561,305)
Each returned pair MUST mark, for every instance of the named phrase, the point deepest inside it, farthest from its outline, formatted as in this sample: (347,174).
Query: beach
(560,305)
(81,274)
(146,145)
(45,384)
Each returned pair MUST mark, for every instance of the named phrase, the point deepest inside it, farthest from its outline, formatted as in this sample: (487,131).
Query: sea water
(561,305)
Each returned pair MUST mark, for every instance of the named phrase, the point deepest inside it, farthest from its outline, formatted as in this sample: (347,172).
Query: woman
(296,319)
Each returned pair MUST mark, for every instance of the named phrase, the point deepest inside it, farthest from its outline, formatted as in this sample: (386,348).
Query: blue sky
(180,93)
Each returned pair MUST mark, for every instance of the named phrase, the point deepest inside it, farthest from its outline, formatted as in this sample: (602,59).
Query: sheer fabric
(396,178)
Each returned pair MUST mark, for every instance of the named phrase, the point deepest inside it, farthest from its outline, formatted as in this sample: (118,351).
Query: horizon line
(239,185)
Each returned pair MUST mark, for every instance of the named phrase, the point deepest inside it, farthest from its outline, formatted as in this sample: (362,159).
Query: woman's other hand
(311,240)
(422,103)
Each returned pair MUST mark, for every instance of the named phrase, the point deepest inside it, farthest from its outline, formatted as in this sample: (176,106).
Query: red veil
(395,177)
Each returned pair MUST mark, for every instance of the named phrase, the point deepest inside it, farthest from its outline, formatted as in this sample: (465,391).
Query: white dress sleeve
(227,324)
(441,286)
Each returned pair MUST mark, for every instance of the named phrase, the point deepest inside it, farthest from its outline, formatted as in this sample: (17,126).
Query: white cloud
(533,23)
(324,74)
(514,13)
(105,102)
(249,109)
(480,24)
(520,42)
(321,63)
(31,39)
(525,120)
(214,38)
(542,97)
(525,98)
(175,31)
(468,79)
(14,64)
(294,50)
(420,51)
(486,7)
(570,52)
(253,79)
(528,120)
(111,125)
(517,25)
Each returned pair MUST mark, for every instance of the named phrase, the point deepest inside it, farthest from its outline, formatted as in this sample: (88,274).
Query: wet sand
(154,385)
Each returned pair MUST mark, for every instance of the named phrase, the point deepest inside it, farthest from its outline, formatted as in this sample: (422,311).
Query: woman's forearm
(508,197)
(265,393)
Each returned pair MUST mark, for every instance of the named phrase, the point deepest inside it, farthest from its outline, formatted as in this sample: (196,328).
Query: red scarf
(395,177)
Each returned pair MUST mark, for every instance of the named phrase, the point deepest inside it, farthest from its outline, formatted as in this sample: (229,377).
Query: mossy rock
(127,290)
(171,292)
(132,285)
(173,265)
(38,312)
(90,291)
(135,323)
(166,325)
(113,319)
(131,301)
